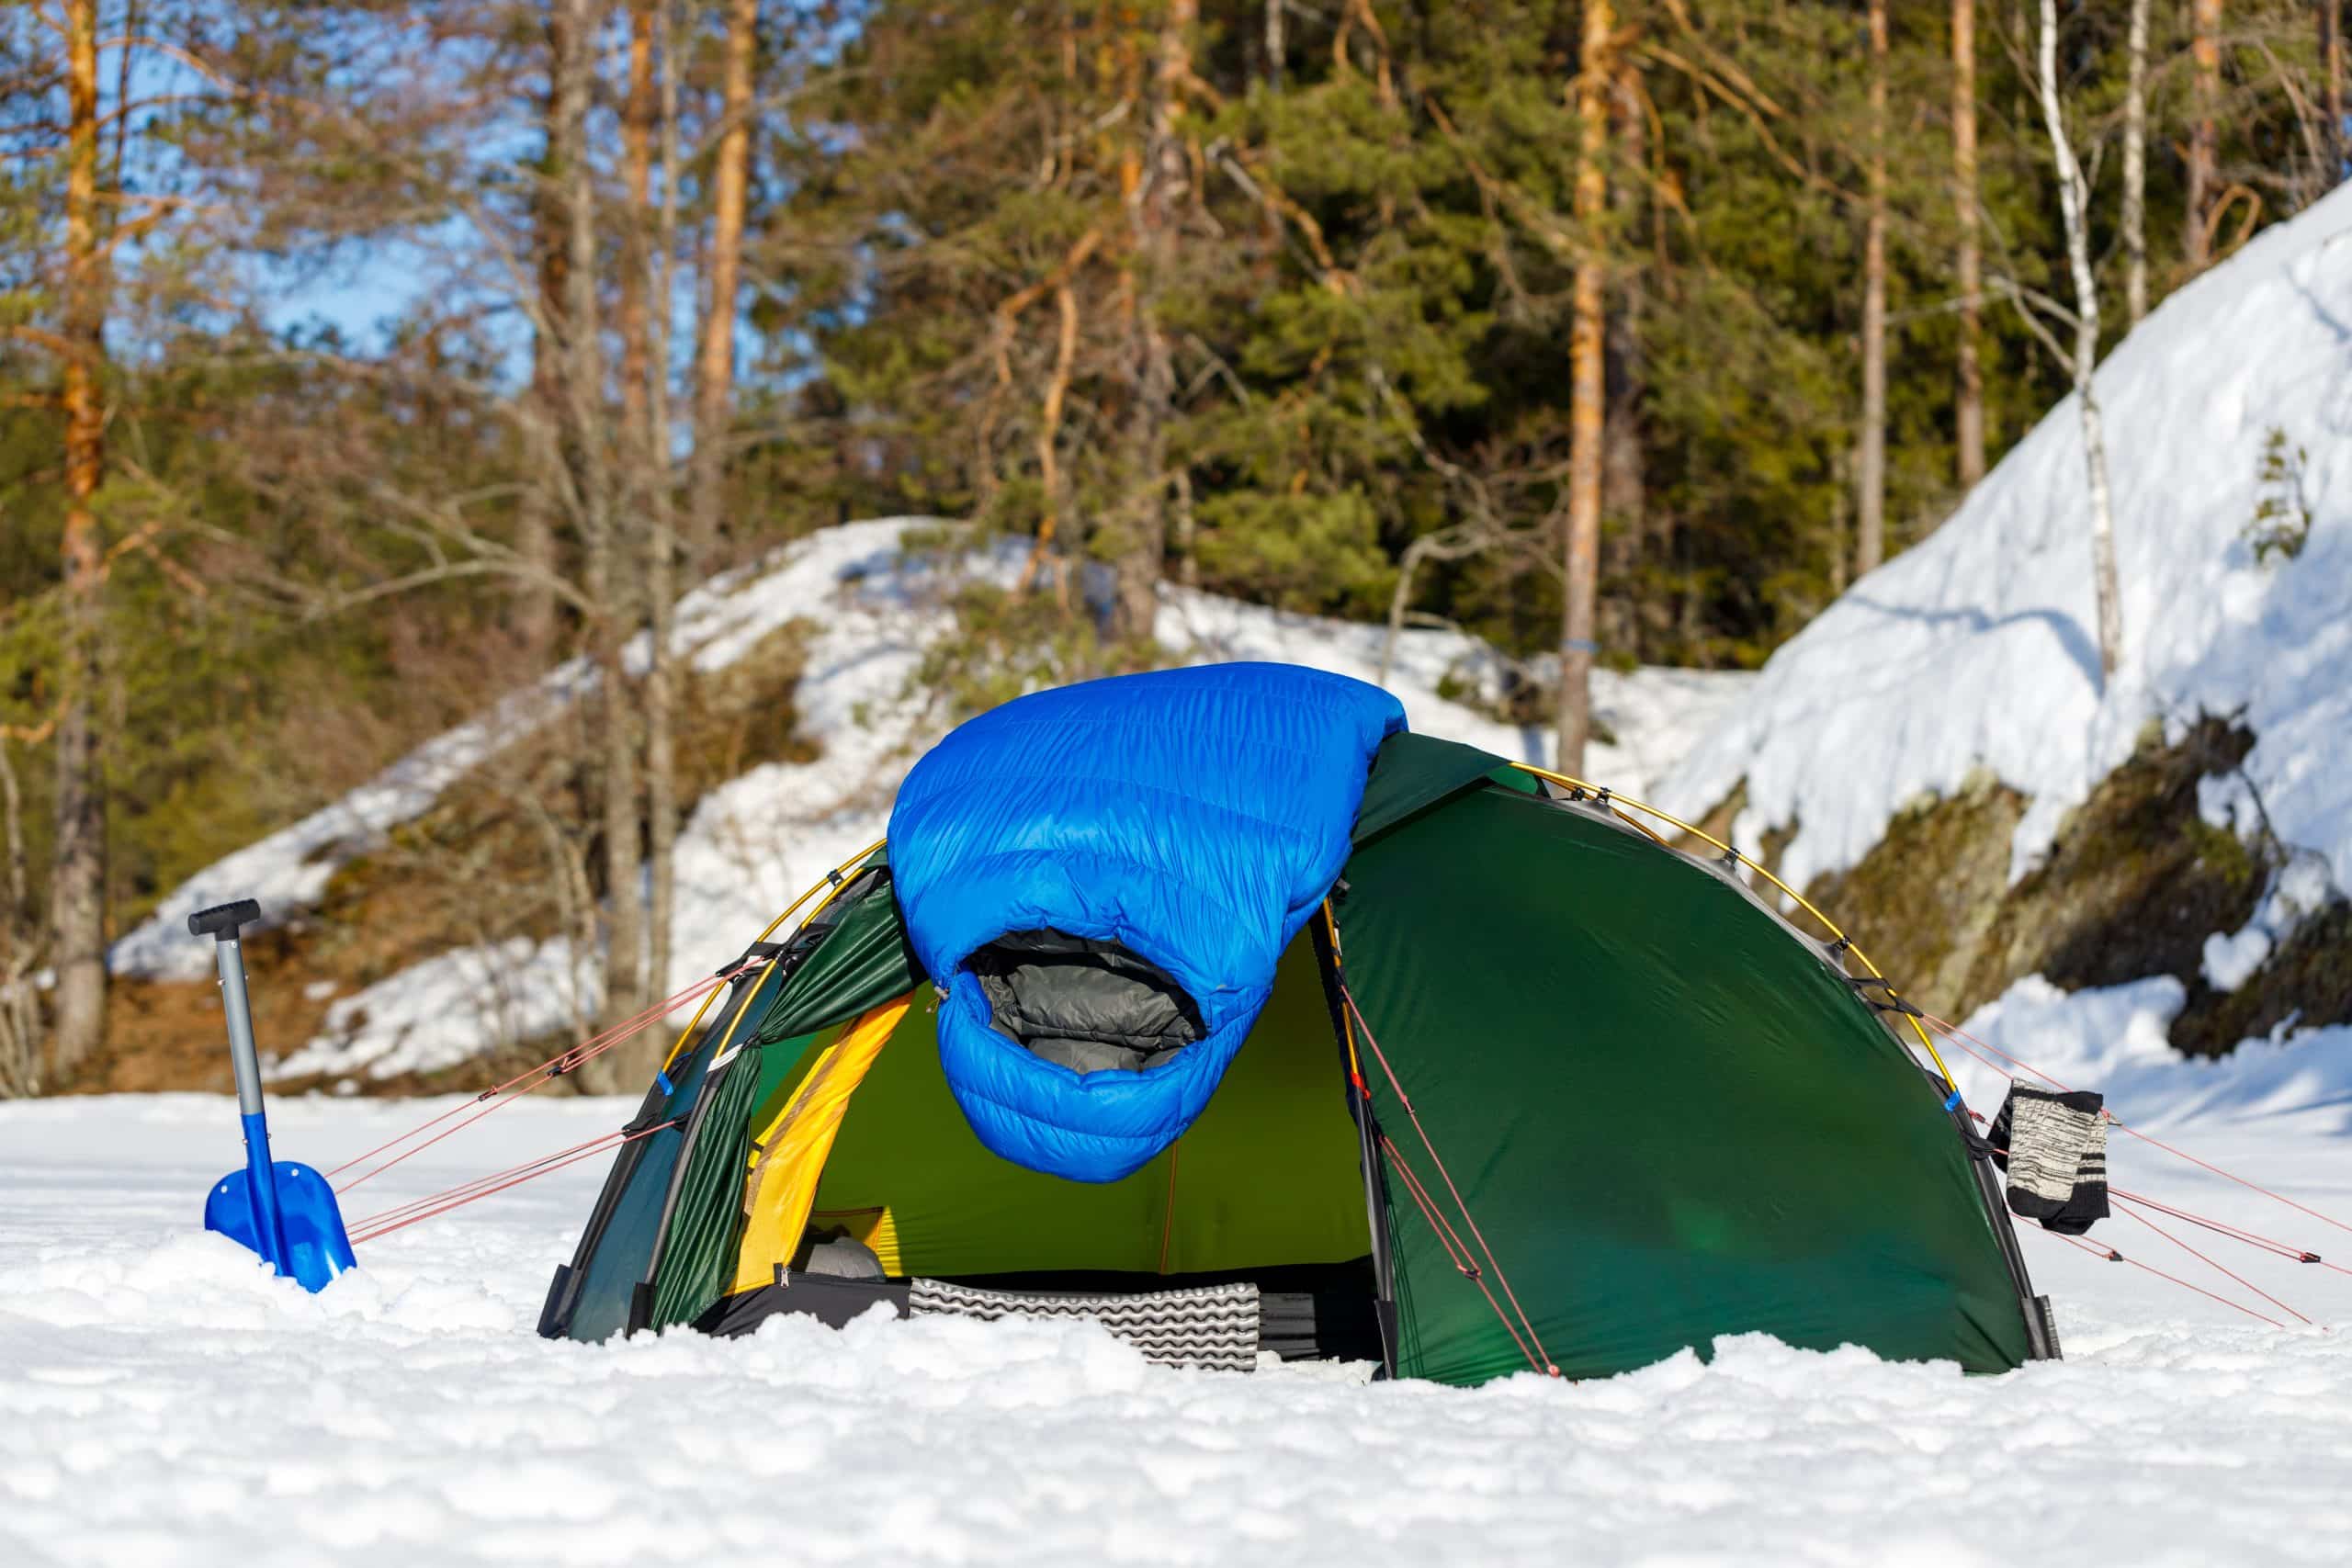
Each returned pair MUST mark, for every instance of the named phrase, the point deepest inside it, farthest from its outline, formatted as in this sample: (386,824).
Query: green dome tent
(1532,1089)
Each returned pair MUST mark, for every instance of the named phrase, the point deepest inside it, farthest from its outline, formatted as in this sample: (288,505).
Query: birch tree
(1160,177)
(2074,196)
(662,536)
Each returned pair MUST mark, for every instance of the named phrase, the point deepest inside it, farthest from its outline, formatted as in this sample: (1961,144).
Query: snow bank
(749,848)
(290,868)
(716,623)
(164,1401)
(1974,647)
(756,842)
(444,1010)
(1652,715)
(2112,1038)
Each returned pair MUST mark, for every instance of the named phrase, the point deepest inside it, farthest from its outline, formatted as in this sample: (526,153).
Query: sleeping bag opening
(1088,1004)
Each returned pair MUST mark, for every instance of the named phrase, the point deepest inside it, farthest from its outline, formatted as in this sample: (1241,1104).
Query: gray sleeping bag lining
(1086,1004)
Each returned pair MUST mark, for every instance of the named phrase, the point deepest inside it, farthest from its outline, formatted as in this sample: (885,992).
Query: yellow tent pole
(1347,1024)
(1615,800)
(831,884)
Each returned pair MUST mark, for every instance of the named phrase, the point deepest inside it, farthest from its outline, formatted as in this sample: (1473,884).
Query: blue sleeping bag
(1100,880)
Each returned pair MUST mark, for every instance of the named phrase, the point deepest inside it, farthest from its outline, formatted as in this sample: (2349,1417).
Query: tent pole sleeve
(721,1063)
(835,880)
(2005,1233)
(563,1291)
(1326,932)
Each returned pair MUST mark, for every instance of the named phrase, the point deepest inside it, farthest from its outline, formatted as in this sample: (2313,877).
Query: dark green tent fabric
(1412,773)
(1671,1121)
(616,1262)
(698,1255)
(863,963)
(860,961)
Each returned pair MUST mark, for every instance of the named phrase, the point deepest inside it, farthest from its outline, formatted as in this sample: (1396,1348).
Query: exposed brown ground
(474,869)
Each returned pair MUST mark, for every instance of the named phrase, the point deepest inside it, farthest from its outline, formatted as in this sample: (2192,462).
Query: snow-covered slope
(715,624)
(2112,1038)
(755,842)
(1975,648)
(164,1401)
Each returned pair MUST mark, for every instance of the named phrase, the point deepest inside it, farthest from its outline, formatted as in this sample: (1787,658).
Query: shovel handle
(220,921)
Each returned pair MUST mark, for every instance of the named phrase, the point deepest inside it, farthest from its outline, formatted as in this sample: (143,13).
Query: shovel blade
(310,1247)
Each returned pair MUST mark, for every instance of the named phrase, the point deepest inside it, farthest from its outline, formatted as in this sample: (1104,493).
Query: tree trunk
(1143,538)
(660,559)
(78,874)
(730,188)
(1968,422)
(2135,164)
(1624,527)
(2072,198)
(2331,71)
(636,172)
(20,949)
(2028,103)
(1275,47)
(1869,476)
(645,443)
(2205,91)
(534,612)
(1841,470)
(609,581)
(1183,547)
(1588,389)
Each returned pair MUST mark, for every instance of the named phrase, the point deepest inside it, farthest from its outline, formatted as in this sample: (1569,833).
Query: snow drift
(753,843)
(162,1400)
(2227,413)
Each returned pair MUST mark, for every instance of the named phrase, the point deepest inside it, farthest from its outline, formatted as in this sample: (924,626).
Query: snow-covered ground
(756,842)
(161,1402)
(1975,648)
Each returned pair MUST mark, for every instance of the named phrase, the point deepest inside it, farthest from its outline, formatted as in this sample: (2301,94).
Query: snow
(1972,650)
(2112,1038)
(2231,959)
(162,1401)
(2298,888)
(748,848)
(1649,716)
(291,867)
(440,1012)
(715,624)
(875,608)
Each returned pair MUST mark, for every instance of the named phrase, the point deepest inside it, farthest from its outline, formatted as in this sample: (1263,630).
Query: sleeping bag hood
(1100,880)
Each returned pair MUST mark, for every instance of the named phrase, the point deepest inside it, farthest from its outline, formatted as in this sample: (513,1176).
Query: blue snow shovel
(284,1210)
